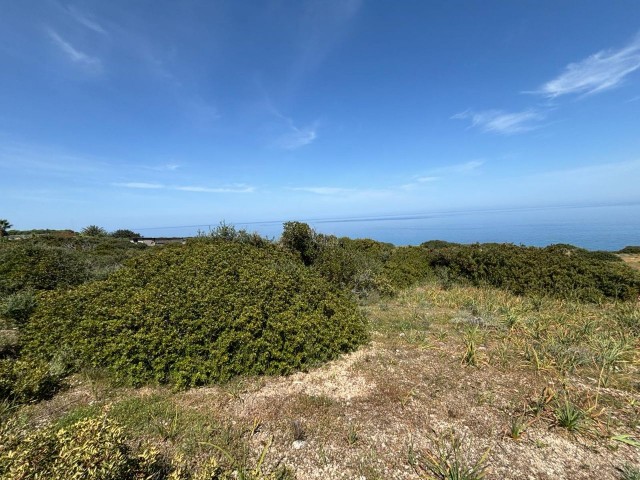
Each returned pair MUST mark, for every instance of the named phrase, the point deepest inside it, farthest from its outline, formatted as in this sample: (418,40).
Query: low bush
(26,265)
(300,238)
(367,267)
(91,449)
(101,448)
(407,266)
(24,381)
(630,249)
(557,270)
(195,314)
(18,307)
(354,265)
(101,254)
(9,343)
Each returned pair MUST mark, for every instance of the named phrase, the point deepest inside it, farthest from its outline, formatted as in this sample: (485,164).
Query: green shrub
(94,231)
(199,313)
(124,233)
(91,449)
(25,265)
(407,266)
(436,244)
(630,249)
(353,265)
(18,306)
(557,270)
(101,448)
(51,261)
(9,343)
(300,237)
(24,381)
(226,231)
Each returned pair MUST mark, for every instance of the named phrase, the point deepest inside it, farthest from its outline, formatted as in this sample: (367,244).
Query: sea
(609,227)
(595,227)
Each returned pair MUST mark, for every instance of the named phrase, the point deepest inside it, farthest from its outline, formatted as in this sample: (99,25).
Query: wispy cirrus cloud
(233,188)
(93,64)
(165,167)
(604,70)
(501,122)
(297,137)
(601,71)
(85,20)
(417,182)
(142,185)
(440,173)
(294,136)
(457,168)
(324,190)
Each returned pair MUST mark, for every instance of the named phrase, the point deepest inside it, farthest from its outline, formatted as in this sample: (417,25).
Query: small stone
(298,444)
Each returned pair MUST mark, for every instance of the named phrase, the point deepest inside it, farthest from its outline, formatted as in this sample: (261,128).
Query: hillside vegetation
(196,314)
(367,267)
(511,361)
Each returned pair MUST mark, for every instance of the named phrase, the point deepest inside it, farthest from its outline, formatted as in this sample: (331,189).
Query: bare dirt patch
(631,259)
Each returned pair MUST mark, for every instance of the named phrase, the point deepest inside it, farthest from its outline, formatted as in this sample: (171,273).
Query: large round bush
(25,265)
(198,313)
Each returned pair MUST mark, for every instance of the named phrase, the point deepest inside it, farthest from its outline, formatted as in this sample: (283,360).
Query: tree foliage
(4,227)
(94,231)
(299,237)
(124,233)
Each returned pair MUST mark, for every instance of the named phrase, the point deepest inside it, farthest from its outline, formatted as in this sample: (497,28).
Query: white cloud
(86,21)
(419,182)
(601,71)
(460,168)
(504,123)
(294,136)
(297,137)
(166,167)
(324,190)
(234,188)
(142,185)
(93,64)
(437,173)
(427,179)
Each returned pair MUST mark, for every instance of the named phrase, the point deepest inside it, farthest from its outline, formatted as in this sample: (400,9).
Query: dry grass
(553,391)
(632,259)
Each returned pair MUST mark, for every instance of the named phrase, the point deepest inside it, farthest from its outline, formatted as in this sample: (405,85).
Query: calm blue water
(594,228)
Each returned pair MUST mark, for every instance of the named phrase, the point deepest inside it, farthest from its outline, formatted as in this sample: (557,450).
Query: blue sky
(157,113)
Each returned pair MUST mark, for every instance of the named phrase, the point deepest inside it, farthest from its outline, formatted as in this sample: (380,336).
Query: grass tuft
(448,461)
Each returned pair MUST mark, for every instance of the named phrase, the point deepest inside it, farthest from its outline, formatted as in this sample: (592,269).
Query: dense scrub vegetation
(27,265)
(557,270)
(232,303)
(367,267)
(54,261)
(196,314)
